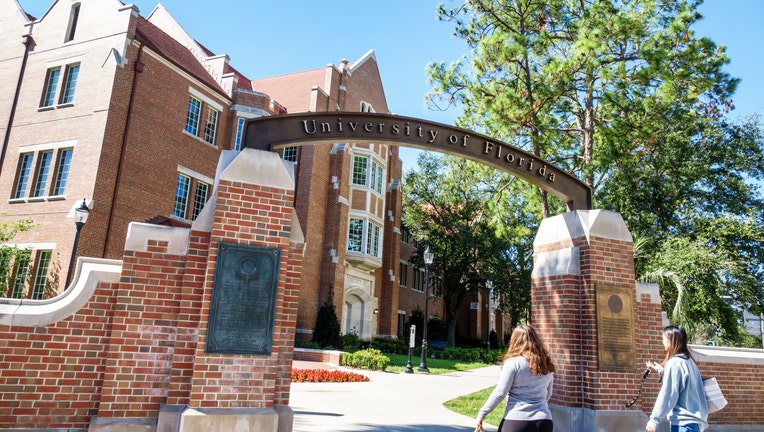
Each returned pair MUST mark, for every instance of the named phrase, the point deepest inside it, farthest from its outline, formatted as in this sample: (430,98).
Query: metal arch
(273,132)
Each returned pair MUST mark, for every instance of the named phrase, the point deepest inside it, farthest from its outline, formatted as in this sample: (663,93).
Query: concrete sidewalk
(389,402)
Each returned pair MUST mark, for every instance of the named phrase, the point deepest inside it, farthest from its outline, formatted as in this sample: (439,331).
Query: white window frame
(63,66)
(36,150)
(371,237)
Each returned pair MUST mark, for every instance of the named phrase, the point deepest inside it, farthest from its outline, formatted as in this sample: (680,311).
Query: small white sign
(412,336)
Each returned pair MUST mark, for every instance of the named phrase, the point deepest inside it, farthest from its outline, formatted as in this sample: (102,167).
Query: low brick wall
(740,373)
(316,355)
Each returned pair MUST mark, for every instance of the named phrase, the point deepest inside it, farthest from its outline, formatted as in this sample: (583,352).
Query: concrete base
(169,418)
(236,420)
(122,425)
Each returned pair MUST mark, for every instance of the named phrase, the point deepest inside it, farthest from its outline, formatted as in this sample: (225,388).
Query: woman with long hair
(526,380)
(682,398)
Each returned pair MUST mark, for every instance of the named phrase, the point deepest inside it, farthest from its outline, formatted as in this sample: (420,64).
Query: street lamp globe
(81,214)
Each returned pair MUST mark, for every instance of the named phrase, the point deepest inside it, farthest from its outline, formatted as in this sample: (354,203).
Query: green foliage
(350,342)
(327,331)
(627,97)
(467,214)
(370,358)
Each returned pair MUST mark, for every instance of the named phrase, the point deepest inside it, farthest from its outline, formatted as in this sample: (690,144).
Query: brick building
(131,114)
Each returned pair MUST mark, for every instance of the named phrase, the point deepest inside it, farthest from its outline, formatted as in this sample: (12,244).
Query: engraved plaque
(615,329)
(243,300)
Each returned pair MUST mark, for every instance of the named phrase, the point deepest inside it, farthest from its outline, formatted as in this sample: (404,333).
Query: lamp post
(81,214)
(488,288)
(428,256)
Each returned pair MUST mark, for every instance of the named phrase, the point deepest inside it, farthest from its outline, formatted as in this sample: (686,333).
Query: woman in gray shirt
(526,380)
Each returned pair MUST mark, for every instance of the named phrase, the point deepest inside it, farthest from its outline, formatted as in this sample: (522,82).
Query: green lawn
(470,404)
(436,366)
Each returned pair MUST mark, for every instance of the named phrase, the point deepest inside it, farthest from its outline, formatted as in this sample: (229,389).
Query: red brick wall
(140,343)
(53,375)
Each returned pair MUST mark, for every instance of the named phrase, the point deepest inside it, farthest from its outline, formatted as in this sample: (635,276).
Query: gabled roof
(293,91)
(161,43)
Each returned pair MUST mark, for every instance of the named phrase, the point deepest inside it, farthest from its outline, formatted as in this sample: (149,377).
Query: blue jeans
(692,427)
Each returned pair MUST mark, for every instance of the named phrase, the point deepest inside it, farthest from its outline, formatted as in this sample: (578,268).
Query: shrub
(351,342)
(327,331)
(371,359)
(322,375)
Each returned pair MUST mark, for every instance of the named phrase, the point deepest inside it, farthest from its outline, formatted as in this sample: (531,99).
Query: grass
(436,366)
(470,404)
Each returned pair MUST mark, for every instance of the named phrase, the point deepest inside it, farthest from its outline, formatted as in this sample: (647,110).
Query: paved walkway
(389,402)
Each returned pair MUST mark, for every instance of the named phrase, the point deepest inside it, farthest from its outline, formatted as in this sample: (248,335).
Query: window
(192,118)
(403,273)
(183,199)
(22,179)
(200,198)
(202,118)
(405,235)
(211,125)
(29,275)
(41,182)
(362,176)
(372,240)
(43,170)
(376,177)
(20,271)
(41,275)
(181,196)
(355,235)
(359,170)
(62,171)
(360,230)
(51,85)
(70,83)
(402,330)
(290,154)
(239,133)
(50,96)
(73,17)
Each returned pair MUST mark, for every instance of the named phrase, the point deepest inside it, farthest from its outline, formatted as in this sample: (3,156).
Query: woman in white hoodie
(682,399)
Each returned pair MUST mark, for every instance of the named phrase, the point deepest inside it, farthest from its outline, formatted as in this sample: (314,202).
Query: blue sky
(265,38)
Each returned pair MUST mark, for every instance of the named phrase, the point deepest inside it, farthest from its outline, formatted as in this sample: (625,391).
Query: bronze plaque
(243,300)
(615,329)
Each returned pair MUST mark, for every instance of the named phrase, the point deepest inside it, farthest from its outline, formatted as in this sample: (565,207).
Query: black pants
(526,426)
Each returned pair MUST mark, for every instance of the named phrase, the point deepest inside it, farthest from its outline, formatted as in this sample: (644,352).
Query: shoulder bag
(714,396)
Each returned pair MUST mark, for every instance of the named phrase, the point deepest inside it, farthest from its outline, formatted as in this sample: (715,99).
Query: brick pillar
(254,207)
(159,375)
(575,253)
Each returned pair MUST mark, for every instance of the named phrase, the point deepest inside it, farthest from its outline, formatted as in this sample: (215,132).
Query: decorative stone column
(584,304)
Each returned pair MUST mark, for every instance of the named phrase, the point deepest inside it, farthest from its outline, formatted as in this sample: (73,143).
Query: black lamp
(81,214)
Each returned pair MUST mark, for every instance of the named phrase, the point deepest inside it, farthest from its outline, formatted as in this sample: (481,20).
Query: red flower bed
(320,375)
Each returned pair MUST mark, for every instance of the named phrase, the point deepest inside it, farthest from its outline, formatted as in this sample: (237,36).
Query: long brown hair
(677,339)
(525,342)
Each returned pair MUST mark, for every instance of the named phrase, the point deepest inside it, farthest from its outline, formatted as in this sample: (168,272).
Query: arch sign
(274,132)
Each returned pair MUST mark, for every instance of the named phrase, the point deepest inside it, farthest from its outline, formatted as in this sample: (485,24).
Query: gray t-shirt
(527,394)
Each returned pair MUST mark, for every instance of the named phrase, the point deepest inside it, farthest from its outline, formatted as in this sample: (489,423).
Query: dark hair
(677,339)
(525,342)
